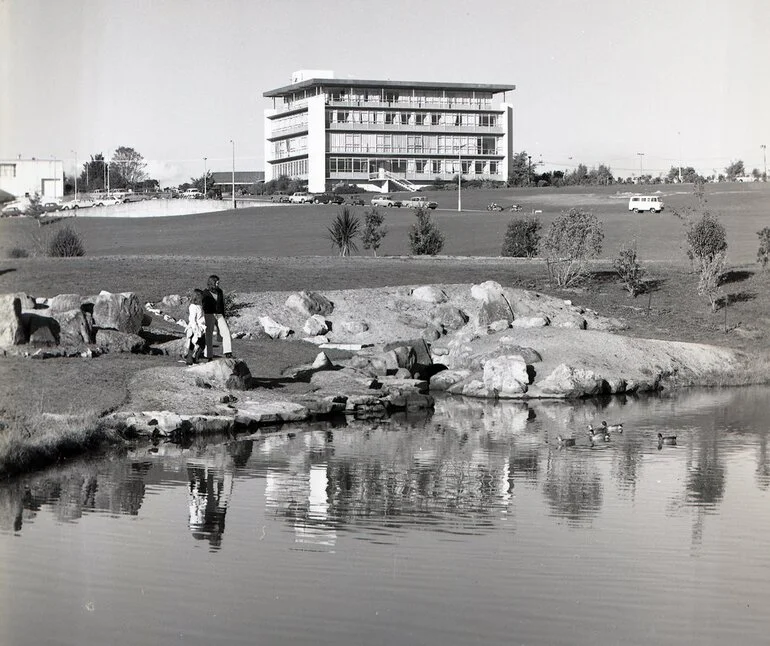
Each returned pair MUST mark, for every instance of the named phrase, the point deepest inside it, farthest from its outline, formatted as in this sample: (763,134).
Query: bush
(763,253)
(706,238)
(66,243)
(628,269)
(425,238)
(374,230)
(710,279)
(344,231)
(522,239)
(574,238)
(18,252)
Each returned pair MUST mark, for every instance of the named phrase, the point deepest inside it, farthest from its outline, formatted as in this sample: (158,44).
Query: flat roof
(395,85)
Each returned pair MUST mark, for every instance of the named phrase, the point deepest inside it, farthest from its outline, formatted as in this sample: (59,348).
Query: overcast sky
(598,81)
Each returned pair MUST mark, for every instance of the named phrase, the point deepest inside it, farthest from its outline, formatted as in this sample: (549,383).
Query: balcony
(286,131)
(416,104)
(339,126)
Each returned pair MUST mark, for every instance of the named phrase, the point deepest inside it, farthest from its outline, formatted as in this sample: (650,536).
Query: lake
(470,525)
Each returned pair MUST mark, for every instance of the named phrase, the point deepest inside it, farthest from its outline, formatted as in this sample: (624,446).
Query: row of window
(426,97)
(296,168)
(353,142)
(412,166)
(7,170)
(289,147)
(382,117)
(290,123)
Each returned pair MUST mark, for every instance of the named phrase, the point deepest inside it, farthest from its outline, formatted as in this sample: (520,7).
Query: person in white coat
(195,332)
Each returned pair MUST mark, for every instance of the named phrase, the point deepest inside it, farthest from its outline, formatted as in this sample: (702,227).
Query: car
(649,203)
(281,197)
(192,194)
(328,198)
(419,203)
(301,197)
(80,203)
(356,200)
(107,200)
(386,200)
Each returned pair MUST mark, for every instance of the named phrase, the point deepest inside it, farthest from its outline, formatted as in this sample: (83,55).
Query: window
(404,118)
(7,170)
(479,167)
(493,168)
(390,118)
(435,166)
(435,119)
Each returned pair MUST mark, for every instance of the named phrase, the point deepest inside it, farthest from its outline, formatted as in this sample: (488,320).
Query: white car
(74,205)
(386,201)
(192,194)
(419,203)
(301,198)
(107,200)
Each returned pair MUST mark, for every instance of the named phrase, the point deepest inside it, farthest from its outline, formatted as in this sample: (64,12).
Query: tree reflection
(209,495)
(572,488)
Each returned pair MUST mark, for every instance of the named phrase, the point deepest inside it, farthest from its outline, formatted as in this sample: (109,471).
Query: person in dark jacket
(214,313)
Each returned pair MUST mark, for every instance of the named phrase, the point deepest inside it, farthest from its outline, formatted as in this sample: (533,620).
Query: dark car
(328,198)
(281,197)
(356,200)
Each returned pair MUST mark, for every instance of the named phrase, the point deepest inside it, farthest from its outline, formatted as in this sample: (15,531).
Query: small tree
(522,238)
(763,254)
(710,279)
(344,231)
(736,169)
(706,237)
(573,238)
(66,243)
(374,230)
(425,237)
(628,268)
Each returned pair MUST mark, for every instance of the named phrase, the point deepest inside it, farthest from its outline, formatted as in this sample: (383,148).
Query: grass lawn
(284,248)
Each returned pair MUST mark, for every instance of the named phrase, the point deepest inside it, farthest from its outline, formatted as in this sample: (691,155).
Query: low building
(386,135)
(27,177)
(245,180)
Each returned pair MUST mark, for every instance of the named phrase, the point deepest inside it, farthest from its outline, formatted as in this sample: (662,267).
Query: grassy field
(284,248)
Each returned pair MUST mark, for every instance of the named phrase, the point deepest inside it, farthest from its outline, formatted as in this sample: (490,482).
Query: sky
(597,81)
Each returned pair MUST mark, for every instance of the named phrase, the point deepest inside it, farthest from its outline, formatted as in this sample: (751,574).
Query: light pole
(74,152)
(460,177)
(679,136)
(204,178)
(233,143)
(641,171)
(764,161)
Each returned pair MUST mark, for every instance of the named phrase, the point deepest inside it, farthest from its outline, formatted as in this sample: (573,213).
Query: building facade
(21,177)
(386,135)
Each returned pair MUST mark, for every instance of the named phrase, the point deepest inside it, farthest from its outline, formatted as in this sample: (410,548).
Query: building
(21,177)
(386,135)
(245,180)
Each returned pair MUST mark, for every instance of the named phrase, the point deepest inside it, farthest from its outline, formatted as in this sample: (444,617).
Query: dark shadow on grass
(735,276)
(7,271)
(270,383)
(740,297)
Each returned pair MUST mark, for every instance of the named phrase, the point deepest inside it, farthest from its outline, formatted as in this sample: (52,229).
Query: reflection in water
(210,489)
(573,487)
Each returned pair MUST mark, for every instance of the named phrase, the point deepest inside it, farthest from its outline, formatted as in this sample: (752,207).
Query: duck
(612,428)
(566,441)
(597,435)
(666,439)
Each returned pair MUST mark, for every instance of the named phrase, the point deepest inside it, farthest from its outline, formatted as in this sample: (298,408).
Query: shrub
(18,252)
(344,231)
(425,238)
(522,238)
(66,243)
(706,238)
(710,278)
(763,253)
(573,238)
(374,230)
(628,268)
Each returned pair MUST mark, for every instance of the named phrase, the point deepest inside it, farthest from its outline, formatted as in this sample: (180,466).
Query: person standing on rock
(214,311)
(195,332)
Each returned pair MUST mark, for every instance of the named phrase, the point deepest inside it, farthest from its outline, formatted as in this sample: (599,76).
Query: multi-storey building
(386,135)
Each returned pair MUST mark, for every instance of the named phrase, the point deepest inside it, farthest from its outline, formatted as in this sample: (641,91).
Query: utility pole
(529,170)
(764,161)
(679,137)
(76,173)
(233,143)
(204,178)
(641,171)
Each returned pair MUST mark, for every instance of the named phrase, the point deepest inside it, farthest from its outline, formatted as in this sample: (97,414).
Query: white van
(645,203)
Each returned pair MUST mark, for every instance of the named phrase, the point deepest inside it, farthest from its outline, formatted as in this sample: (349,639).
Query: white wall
(152,209)
(316,144)
(268,131)
(21,176)
(507,142)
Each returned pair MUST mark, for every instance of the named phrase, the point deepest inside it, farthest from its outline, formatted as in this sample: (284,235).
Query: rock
(309,303)
(115,341)
(506,375)
(316,325)
(174,348)
(430,334)
(173,300)
(342,381)
(12,332)
(410,320)
(40,330)
(74,326)
(251,413)
(354,327)
(224,373)
(273,329)
(429,294)
(604,323)
(449,317)
(487,291)
(65,302)
(566,381)
(530,355)
(495,310)
(439,351)
(447,378)
(530,322)
(571,320)
(403,373)
(498,326)
(322,362)
(369,365)
(122,312)
(473,388)
(421,350)
(400,357)
(317,340)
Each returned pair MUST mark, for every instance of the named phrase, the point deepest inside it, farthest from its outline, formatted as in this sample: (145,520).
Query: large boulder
(354,327)
(65,302)
(506,375)
(449,317)
(11,329)
(75,326)
(567,381)
(316,325)
(309,303)
(40,330)
(274,329)
(115,341)
(429,294)
(494,304)
(122,312)
(232,374)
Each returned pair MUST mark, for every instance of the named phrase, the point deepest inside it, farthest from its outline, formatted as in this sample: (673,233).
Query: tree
(519,172)
(425,238)
(204,183)
(628,268)
(128,166)
(763,253)
(734,170)
(574,238)
(93,174)
(374,230)
(522,238)
(344,231)
(689,174)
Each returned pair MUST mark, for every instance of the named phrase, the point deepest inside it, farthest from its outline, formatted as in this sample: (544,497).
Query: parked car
(192,194)
(279,197)
(328,198)
(385,200)
(356,200)
(17,207)
(106,200)
(301,197)
(419,203)
(80,203)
